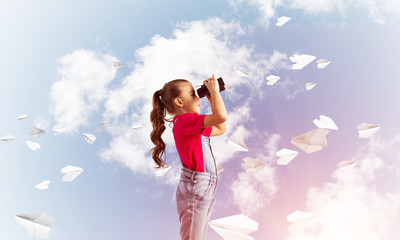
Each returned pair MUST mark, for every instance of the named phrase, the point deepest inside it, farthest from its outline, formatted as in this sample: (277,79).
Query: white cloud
(195,51)
(80,86)
(362,202)
(253,191)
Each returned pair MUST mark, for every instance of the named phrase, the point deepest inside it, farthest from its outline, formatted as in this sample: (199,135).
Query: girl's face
(190,102)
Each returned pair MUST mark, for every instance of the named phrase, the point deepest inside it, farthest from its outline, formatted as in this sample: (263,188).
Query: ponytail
(157,119)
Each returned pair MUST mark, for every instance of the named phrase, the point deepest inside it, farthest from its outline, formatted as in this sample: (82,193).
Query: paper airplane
(282,20)
(43,185)
(310,85)
(242,72)
(300,221)
(59,129)
(105,124)
(311,141)
(365,130)
(286,156)
(220,170)
(325,122)
(117,64)
(235,227)
(162,170)
(238,144)
(22,117)
(37,224)
(37,132)
(136,127)
(90,138)
(272,79)
(70,173)
(252,165)
(301,60)
(322,63)
(33,145)
(345,164)
(7,138)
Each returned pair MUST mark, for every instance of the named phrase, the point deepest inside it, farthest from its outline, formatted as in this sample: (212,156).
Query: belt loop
(192,178)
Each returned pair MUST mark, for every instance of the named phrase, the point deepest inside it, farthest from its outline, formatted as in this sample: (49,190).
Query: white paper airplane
(235,227)
(322,63)
(365,130)
(117,64)
(220,170)
(282,20)
(22,117)
(300,221)
(272,79)
(59,129)
(310,85)
(238,144)
(286,156)
(7,138)
(70,173)
(162,170)
(252,165)
(43,185)
(104,124)
(242,72)
(90,138)
(136,127)
(325,122)
(301,60)
(33,145)
(311,141)
(37,224)
(37,132)
(345,164)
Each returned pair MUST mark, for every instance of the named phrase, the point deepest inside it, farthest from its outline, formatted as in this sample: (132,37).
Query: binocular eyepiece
(203,91)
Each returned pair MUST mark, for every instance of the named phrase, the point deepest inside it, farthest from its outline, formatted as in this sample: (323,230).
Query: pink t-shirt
(187,134)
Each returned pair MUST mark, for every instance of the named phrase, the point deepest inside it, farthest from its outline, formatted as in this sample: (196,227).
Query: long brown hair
(163,100)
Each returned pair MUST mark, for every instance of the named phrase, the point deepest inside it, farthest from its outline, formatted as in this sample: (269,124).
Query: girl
(197,185)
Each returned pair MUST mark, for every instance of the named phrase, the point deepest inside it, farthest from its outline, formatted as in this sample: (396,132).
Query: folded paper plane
(300,61)
(90,138)
(252,165)
(220,169)
(300,221)
(365,130)
(7,138)
(33,145)
(59,129)
(346,164)
(311,141)
(236,227)
(117,64)
(238,144)
(282,20)
(286,156)
(70,173)
(37,132)
(43,185)
(242,72)
(104,124)
(162,170)
(136,127)
(37,224)
(22,117)
(272,79)
(322,63)
(310,85)
(325,122)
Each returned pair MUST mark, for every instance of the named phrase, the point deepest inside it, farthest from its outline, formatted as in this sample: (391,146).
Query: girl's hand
(212,85)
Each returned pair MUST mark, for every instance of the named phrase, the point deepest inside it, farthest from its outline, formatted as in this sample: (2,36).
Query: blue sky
(46,43)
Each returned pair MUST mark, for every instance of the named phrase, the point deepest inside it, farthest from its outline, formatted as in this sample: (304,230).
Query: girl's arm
(218,129)
(219,115)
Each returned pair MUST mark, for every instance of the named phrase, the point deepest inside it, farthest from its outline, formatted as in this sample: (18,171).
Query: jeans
(194,198)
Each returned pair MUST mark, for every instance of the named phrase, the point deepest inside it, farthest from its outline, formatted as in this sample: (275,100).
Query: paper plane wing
(104,124)
(311,141)
(299,216)
(325,122)
(8,138)
(272,79)
(117,64)
(33,145)
(59,129)
(238,144)
(300,61)
(252,165)
(162,170)
(43,185)
(22,117)
(220,170)
(242,72)
(37,224)
(229,234)
(239,223)
(90,138)
(345,164)
(71,172)
(282,20)
(310,85)
(37,132)
(286,156)
(322,63)
(365,130)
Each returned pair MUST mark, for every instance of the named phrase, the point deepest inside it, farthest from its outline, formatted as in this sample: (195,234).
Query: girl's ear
(178,102)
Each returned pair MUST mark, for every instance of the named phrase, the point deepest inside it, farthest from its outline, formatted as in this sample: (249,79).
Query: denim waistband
(193,175)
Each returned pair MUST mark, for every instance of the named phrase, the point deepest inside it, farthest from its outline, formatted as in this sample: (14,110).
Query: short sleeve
(192,123)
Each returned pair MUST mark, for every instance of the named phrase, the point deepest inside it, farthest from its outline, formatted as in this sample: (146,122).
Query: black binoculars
(202,91)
